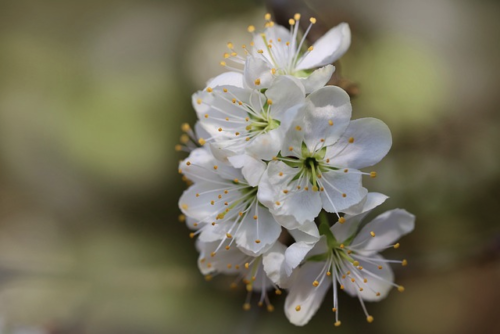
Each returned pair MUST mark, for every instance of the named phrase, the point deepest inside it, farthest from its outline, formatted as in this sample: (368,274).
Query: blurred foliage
(92,95)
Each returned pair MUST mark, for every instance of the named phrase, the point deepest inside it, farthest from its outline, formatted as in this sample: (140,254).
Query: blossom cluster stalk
(273,155)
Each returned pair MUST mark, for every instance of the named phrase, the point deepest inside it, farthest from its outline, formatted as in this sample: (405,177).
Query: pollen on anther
(296,16)
(373,175)
(404,263)
(369,319)
(257,241)
(355,263)
(198,101)
(372,234)
(237,134)
(212,202)
(260,51)
(246,306)
(379,267)
(291,22)
(365,280)
(344,195)
(310,48)
(278,203)
(334,309)
(257,82)
(351,140)
(328,273)
(330,122)
(206,115)
(273,70)
(341,286)
(297,308)
(236,181)
(184,206)
(298,128)
(277,292)
(191,235)
(378,294)
(215,167)
(290,148)
(212,254)
(312,20)
(280,174)
(401,288)
(209,89)
(269,101)
(222,63)
(267,16)
(285,191)
(342,220)
(315,283)
(227,248)
(251,28)
(337,324)
(230,45)
(229,235)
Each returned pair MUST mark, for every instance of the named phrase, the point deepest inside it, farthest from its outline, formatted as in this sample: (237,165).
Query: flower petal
(387,228)
(251,168)
(341,190)
(328,48)
(257,71)
(227,79)
(318,78)
(365,142)
(304,294)
(285,93)
(273,262)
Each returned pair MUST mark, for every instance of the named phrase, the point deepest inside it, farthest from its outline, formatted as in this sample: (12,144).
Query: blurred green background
(92,95)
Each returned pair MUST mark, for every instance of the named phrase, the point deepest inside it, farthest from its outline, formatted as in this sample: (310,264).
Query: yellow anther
(348,272)
(353,280)
(287,43)
(206,115)
(237,133)
(251,28)
(328,273)
(223,63)
(280,174)
(229,266)
(208,278)
(215,167)
(361,289)
(257,82)
(247,119)
(404,263)
(178,147)
(372,234)
(227,248)
(260,51)
(342,220)
(310,48)
(297,308)
(236,181)
(269,101)
(230,45)
(226,55)
(341,246)
(378,294)
(267,16)
(306,188)
(369,319)
(246,306)
(290,148)
(247,265)
(344,195)
(327,160)
(273,71)
(227,118)
(315,283)
(379,267)
(401,288)
(255,217)
(188,163)
(351,140)
(355,263)
(285,191)
(233,100)
(184,206)
(182,218)
(270,308)
(312,20)
(185,127)
(191,235)
(219,129)
(337,324)
(212,202)
(291,22)
(341,287)
(298,128)
(346,170)
(296,17)
(257,241)
(209,89)
(373,174)
(330,122)
(277,292)
(365,280)
(224,90)
(278,203)
(314,188)
(229,235)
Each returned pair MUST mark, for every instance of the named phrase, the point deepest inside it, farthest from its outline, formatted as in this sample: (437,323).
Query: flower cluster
(273,154)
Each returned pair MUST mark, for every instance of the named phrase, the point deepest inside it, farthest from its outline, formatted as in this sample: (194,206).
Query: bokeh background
(92,95)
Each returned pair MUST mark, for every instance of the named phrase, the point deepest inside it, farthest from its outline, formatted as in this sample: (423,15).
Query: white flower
(223,204)
(241,120)
(279,51)
(251,270)
(346,257)
(319,161)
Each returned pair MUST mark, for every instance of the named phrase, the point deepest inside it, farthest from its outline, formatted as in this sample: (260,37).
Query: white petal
(324,106)
(273,262)
(285,93)
(343,231)
(337,184)
(387,227)
(219,262)
(318,78)
(266,145)
(252,169)
(257,69)
(308,233)
(303,293)
(295,254)
(371,142)
(227,79)
(379,281)
(328,48)
(264,229)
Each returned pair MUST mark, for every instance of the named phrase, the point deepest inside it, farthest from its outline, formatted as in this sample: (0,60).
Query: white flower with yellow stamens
(241,120)
(280,51)
(319,161)
(250,270)
(222,204)
(346,258)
